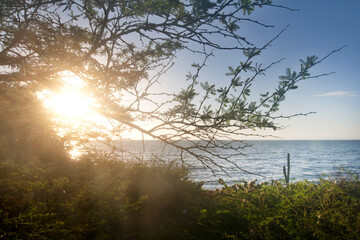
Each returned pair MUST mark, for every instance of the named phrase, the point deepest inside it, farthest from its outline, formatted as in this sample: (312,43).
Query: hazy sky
(318,28)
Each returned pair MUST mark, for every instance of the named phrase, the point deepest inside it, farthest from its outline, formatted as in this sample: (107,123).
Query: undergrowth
(100,198)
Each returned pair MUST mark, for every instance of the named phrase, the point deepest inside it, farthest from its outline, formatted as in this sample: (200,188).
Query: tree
(26,134)
(122,48)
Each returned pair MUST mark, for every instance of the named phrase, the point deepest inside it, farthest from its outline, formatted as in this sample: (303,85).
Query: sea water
(309,160)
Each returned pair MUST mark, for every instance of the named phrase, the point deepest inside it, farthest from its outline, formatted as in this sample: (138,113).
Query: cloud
(337,94)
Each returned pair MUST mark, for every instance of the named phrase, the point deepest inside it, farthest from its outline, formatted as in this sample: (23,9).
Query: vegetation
(122,49)
(287,172)
(44,194)
(272,210)
(96,198)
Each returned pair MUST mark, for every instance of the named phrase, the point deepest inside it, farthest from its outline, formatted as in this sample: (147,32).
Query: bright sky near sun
(320,27)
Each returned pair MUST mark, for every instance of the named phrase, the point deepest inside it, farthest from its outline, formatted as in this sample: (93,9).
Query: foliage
(103,199)
(95,200)
(26,132)
(44,195)
(121,49)
(271,210)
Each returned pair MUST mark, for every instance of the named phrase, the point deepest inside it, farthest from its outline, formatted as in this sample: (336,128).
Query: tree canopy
(121,49)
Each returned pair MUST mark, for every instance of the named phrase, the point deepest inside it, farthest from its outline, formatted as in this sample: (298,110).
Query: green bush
(271,210)
(96,199)
(100,198)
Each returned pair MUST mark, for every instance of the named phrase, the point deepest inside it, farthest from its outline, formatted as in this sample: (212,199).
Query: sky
(318,28)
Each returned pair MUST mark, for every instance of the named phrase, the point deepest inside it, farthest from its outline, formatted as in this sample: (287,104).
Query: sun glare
(76,152)
(70,102)
(73,107)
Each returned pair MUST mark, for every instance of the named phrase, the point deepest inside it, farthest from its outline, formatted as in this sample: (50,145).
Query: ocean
(309,160)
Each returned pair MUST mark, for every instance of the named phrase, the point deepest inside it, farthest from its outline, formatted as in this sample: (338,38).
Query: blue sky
(319,27)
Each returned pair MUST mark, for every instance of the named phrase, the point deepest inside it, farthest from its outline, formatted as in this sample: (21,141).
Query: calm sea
(309,160)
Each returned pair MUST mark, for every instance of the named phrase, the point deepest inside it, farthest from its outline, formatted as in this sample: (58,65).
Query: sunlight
(70,102)
(74,111)
(75,153)
(72,106)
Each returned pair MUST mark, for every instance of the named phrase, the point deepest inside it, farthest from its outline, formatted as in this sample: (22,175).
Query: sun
(70,104)
(71,101)
(75,111)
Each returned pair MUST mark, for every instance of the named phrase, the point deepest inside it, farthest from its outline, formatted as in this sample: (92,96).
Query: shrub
(302,210)
(99,198)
